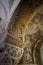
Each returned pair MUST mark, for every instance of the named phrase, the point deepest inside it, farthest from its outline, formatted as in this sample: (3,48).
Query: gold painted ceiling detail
(19,24)
(25,34)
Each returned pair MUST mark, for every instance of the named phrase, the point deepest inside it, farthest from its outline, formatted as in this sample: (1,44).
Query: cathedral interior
(21,32)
